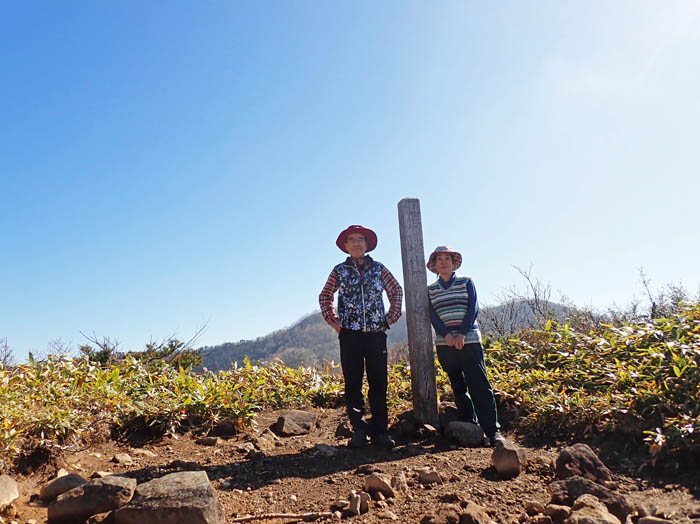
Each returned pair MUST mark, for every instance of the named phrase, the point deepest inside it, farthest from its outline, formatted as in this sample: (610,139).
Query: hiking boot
(497,439)
(384,440)
(359,439)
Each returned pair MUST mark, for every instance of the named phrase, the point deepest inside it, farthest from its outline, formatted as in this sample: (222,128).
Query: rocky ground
(256,475)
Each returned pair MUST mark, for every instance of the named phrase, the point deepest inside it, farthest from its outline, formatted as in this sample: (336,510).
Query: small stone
(532,507)
(509,459)
(340,504)
(101,474)
(144,452)
(653,520)
(293,498)
(540,519)
(379,483)
(123,458)
(364,502)
(354,505)
(387,515)
(427,476)
(557,512)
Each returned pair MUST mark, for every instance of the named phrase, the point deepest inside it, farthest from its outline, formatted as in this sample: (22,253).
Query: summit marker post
(420,339)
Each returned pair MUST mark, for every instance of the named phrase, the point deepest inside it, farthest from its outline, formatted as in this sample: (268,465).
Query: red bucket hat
(456,258)
(370,237)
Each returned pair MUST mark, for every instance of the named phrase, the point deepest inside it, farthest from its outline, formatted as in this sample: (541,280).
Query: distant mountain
(312,342)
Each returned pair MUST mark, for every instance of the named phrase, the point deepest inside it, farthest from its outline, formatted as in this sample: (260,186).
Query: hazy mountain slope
(310,341)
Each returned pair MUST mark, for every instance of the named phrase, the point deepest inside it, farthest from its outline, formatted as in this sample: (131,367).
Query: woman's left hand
(459,340)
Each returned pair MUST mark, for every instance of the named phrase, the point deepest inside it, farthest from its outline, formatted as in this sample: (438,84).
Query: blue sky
(171,164)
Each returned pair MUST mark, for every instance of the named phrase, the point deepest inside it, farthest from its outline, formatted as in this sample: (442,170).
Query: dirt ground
(296,476)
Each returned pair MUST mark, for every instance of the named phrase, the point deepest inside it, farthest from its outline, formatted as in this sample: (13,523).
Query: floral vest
(360,301)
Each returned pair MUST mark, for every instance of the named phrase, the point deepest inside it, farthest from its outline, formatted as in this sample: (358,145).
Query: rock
(428,476)
(354,506)
(60,485)
(465,433)
(379,483)
(264,443)
(556,512)
(186,496)
(343,430)
(589,510)
(123,458)
(399,484)
(364,502)
(567,491)
(509,459)
(8,491)
(91,498)
(475,514)
(63,472)
(340,504)
(540,519)
(540,465)
(144,453)
(580,459)
(244,447)
(653,520)
(209,441)
(387,515)
(101,474)
(533,507)
(294,422)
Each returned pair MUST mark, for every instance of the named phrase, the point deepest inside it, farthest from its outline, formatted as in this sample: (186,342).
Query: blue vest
(360,301)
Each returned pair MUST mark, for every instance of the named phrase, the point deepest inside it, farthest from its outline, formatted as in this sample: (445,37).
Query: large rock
(465,433)
(509,459)
(294,422)
(8,491)
(589,510)
(580,459)
(187,497)
(568,490)
(60,485)
(91,498)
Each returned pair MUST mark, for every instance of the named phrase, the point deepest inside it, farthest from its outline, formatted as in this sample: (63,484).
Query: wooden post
(420,339)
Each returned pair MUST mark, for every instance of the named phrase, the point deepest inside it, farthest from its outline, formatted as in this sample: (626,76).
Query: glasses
(356,240)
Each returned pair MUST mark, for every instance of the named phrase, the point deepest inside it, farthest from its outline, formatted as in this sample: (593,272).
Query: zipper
(362,291)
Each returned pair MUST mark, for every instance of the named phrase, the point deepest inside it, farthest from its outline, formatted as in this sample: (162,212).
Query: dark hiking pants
(467,372)
(359,351)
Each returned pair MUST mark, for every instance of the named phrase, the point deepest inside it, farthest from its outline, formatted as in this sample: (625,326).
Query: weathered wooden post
(420,339)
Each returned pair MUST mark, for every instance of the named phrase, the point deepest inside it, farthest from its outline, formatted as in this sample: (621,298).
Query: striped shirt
(453,309)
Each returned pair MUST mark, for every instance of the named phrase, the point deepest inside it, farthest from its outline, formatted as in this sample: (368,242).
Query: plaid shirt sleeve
(395,294)
(325,299)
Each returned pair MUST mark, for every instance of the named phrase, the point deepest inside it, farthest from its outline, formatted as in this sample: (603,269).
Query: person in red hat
(453,313)
(361,324)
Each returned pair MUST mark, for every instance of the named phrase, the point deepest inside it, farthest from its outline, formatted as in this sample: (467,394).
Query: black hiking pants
(361,350)
(467,372)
